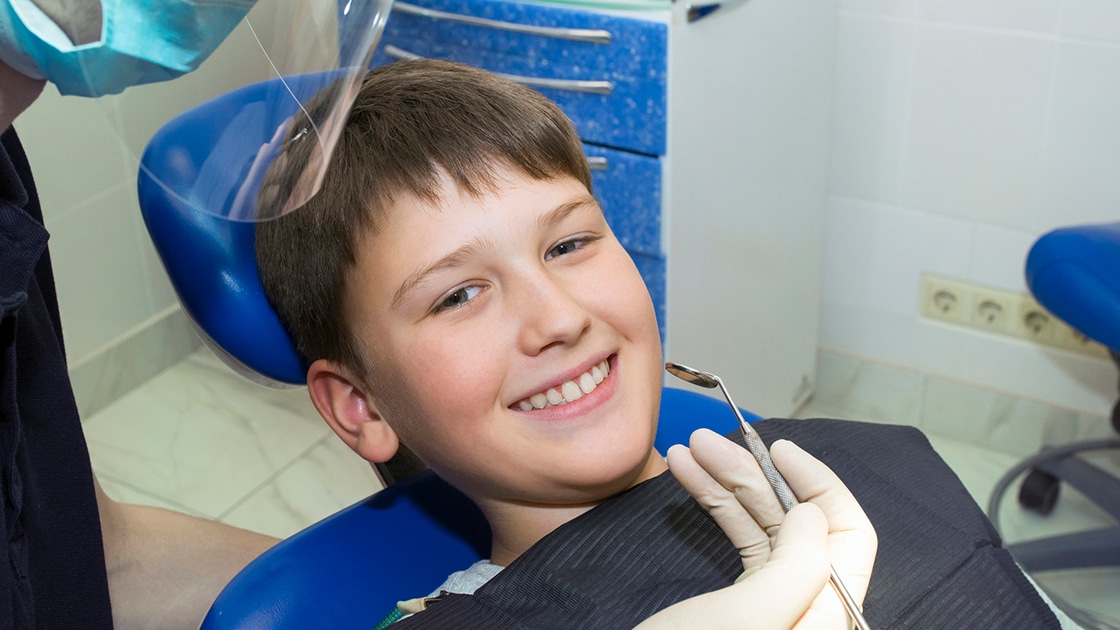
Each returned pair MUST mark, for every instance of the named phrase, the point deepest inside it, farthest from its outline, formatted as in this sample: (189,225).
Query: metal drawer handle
(597,163)
(597,87)
(595,36)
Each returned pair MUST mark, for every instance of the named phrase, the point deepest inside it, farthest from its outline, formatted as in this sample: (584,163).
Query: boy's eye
(569,246)
(458,298)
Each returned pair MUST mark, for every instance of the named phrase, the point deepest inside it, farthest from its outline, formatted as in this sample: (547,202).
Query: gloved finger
(737,470)
(736,522)
(852,539)
(778,595)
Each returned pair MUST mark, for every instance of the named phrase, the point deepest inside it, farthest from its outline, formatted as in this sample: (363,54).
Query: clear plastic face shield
(278,76)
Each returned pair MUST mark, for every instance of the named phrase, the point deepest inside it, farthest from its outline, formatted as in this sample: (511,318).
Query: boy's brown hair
(412,123)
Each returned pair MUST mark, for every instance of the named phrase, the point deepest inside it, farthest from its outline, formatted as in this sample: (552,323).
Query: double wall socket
(1000,312)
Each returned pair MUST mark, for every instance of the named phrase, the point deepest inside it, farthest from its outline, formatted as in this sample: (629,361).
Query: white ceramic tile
(329,478)
(995,362)
(975,127)
(994,420)
(119,368)
(74,152)
(1092,19)
(851,388)
(201,435)
(875,254)
(890,8)
(99,271)
(874,62)
(1092,591)
(1082,156)
(1018,15)
(999,256)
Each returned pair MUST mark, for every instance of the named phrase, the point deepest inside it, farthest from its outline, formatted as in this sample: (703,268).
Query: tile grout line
(273,477)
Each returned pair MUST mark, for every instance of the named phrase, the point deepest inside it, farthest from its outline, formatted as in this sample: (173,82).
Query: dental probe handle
(762,455)
(778,483)
(788,500)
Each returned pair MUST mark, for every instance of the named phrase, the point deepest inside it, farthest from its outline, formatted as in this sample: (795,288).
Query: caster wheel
(1039,491)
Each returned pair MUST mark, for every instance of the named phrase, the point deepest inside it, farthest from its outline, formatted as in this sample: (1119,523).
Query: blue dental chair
(1075,273)
(350,569)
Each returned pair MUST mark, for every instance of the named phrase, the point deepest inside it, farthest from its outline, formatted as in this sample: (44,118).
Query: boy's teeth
(587,383)
(570,391)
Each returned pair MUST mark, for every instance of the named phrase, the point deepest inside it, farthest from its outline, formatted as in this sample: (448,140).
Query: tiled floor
(200,439)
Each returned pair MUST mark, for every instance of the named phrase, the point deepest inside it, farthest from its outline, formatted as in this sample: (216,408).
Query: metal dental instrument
(777,482)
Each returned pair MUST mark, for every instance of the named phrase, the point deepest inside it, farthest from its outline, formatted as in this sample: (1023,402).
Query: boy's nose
(550,315)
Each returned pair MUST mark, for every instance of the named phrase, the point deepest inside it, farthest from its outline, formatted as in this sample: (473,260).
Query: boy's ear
(350,412)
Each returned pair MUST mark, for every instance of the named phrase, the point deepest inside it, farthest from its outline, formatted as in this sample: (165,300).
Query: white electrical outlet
(999,312)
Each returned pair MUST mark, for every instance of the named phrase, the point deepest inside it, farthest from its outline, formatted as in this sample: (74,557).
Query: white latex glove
(786,557)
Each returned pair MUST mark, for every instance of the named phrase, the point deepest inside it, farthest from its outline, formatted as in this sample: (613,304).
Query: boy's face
(474,310)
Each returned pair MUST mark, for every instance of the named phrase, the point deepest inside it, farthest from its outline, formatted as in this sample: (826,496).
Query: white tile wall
(963,130)
(101,272)
(1092,19)
(880,7)
(862,235)
(1019,15)
(974,127)
(1082,154)
(873,62)
(998,255)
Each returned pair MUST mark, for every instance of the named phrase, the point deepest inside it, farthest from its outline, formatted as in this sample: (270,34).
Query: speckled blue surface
(630,192)
(652,269)
(632,117)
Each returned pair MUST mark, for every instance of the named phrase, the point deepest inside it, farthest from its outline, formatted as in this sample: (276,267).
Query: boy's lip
(571,375)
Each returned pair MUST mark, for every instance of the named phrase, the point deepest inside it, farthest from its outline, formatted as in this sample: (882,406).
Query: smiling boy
(458,290)
(478,278)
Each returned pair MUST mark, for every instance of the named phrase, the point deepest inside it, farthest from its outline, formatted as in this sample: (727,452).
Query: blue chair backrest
(1075,273)
(211,260)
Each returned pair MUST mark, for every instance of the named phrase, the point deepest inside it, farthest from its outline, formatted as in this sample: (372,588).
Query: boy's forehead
(411,231)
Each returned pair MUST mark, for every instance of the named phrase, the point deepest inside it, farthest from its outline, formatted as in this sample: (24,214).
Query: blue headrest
(1075,273)
(211,260)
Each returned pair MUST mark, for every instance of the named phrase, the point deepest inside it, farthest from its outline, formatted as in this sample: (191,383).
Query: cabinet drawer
(631,116)
(652,269)
(628,187)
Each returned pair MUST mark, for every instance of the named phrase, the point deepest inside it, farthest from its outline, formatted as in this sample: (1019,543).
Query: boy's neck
(516,528)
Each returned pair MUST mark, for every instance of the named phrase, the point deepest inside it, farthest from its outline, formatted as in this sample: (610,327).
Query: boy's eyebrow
(457,257)
(453,259)
(559,213)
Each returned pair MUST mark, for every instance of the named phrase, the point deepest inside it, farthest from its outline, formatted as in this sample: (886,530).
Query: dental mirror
(689,375)
(758,449)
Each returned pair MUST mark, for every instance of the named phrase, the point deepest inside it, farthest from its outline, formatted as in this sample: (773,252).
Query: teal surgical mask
(142,41)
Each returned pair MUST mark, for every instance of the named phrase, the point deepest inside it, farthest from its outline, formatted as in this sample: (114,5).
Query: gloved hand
(786,557)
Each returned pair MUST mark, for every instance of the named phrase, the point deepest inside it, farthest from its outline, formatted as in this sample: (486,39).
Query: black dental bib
(939,564)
